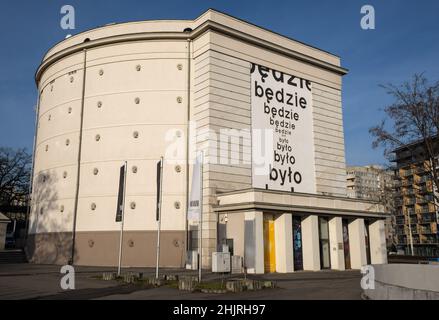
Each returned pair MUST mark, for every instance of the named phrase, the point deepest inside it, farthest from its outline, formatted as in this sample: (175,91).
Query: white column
(336,243)
(357,244)
(311,246)
(378,247)
(283,230)
(258,240)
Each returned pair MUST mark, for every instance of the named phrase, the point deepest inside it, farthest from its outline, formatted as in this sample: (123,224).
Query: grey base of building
(102,248)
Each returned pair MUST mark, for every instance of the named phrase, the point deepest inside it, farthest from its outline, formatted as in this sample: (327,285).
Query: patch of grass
(172,284)
(211,286)
(144,284)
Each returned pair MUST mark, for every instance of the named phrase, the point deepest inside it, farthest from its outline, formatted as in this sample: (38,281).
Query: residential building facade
(416,209)
(374,182)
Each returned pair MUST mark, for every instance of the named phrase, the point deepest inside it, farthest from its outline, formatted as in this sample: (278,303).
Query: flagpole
(159,207)
(123,218)
(200,262)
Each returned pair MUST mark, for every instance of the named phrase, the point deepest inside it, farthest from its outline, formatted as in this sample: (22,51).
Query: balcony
(407,173)
(430,242)
(425,231)
(425,221)
(404,155)
(428,217)
(426,209)
(409,192)
(419,170)
(398,203)
(422,180)
(423,189)
(425,199)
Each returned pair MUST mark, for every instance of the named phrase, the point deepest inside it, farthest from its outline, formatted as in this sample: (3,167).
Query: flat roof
(175,29)
(282,201)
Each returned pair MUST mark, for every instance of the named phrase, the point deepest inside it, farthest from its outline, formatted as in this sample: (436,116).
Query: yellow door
(269,246)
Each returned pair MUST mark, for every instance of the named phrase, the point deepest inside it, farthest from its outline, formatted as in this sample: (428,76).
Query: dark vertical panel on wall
(297,243)
(249,244)
(367,240)
(222,235)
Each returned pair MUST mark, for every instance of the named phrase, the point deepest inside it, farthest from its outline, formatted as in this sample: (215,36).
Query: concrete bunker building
(126,92)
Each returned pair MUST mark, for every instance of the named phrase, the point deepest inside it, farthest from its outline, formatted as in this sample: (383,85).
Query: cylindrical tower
(113,94)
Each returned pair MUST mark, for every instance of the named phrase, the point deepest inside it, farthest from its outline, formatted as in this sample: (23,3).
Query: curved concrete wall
(405,282)
(134,96)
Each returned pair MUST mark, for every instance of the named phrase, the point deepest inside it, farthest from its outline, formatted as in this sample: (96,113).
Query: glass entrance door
(325,259)
(346,248)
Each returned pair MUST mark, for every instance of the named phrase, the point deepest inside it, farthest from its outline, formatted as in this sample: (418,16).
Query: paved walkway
(28,281)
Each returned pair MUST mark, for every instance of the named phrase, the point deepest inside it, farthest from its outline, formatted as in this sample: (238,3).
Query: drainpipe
(78,174)
(189,41)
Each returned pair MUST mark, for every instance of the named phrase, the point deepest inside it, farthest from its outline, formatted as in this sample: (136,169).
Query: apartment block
(415,205)
(374,182)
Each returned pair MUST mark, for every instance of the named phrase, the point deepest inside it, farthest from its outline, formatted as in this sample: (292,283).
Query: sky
(405,41)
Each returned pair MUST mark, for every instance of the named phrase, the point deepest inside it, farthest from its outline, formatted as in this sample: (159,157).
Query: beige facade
(129,92)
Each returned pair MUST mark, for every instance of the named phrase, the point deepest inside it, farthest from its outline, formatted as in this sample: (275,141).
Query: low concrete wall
(405,282)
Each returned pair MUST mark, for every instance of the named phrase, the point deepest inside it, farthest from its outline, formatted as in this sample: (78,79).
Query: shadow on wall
(47,241)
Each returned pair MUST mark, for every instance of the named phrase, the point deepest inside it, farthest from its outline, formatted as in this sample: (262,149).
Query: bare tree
(15,168)
(414,117)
